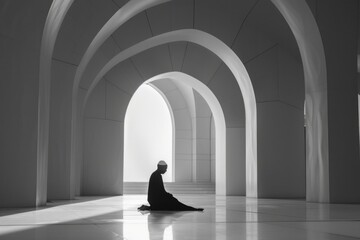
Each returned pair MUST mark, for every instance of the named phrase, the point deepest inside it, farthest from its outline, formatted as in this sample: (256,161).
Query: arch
(129,10)
(172,124)
(236,67)
(55,17)
(304,27)
(219,119)
(112,181)
(185,103)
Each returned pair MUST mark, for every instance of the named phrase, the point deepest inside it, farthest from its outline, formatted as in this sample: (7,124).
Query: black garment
(159,199)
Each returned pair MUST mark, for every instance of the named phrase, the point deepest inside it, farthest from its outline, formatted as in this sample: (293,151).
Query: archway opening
(218,118)
(148,135)
(243,80)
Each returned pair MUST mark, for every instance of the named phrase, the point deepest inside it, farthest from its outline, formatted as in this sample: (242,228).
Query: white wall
(20,38)
(281,161)
(202,139)
(278,82)
(60,123)
(341,96)
(103,141)
(103,165)
(235,161)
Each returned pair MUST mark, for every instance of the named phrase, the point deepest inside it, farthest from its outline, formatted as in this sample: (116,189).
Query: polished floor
(103,218)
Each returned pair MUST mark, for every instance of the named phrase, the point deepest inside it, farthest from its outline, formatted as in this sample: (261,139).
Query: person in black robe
(158,198)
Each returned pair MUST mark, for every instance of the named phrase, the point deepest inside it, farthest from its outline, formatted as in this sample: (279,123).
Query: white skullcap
(162,163)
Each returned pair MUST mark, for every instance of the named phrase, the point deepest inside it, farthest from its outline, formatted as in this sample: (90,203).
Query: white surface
(55,17)
(148,136)
(125,70)
(116,102)
(235,169)
(23,161)
(103,165)
(281,162)
(223,218)
(60,125)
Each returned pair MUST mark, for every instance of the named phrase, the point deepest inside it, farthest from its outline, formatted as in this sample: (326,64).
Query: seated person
(158,198)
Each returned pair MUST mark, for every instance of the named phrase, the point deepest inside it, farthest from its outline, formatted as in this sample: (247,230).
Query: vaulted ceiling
(253,29)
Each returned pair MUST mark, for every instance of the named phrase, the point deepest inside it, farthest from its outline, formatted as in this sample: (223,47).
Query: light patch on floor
(223,218)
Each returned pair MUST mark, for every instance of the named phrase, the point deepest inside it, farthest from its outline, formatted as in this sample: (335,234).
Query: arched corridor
(235,75)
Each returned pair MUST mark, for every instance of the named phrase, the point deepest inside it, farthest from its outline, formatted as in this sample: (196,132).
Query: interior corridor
(224,217)
(263,98)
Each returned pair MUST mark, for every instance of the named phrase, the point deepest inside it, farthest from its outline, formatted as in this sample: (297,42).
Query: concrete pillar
(202,139)
(59,163)
(227,91)
(235,161)
(339,36)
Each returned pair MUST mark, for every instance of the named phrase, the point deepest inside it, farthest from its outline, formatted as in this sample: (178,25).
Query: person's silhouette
(158,198)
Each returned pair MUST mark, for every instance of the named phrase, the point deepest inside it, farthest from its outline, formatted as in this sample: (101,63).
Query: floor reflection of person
(160,222)
(158,198)
(157,223)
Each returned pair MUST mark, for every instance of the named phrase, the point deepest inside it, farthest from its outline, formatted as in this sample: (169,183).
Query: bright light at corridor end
(148,135)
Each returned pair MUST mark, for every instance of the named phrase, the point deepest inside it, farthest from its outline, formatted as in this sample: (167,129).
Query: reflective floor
(223,218)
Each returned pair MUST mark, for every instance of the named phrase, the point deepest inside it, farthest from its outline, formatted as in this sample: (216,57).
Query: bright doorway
(148,135)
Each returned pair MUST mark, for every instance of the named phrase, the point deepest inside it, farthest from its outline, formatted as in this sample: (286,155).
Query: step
(172,187)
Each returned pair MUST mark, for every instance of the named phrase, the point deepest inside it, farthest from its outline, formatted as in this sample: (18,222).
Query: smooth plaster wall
(279,86)
(202,139)
(103,166)
(78,165)
(60,124)
(102,171)
(342,96)
(282,166)
(235,161)
(21,27)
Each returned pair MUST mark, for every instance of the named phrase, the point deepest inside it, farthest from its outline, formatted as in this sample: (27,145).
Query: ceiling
(239,24)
